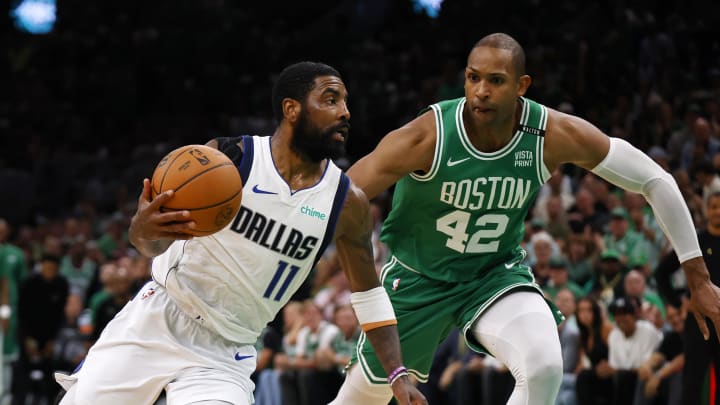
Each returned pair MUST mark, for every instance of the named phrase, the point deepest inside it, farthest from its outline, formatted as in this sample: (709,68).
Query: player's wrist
(397,374)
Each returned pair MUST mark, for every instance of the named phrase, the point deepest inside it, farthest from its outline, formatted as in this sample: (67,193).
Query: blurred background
(93,94)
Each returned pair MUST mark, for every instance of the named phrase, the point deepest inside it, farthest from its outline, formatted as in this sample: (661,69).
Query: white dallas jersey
(236,280)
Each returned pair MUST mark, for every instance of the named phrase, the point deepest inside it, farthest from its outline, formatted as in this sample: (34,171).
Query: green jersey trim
(439,140)
(465,140)
(370,376)
(542,171)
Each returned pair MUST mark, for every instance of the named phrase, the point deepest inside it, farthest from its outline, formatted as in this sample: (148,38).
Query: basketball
(206,183)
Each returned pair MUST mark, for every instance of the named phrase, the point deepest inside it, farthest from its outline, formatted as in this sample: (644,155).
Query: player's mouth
(482,110)
(341,132)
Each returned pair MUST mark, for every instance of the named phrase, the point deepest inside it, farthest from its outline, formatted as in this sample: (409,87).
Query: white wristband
(5,311)
(373,308)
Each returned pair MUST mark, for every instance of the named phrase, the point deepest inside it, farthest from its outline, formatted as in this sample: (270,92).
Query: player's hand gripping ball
(205,182)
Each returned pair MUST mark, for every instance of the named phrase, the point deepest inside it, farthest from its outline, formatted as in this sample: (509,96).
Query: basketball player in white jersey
(191,330)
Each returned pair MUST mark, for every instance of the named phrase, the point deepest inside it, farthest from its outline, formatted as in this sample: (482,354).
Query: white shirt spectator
(629,353)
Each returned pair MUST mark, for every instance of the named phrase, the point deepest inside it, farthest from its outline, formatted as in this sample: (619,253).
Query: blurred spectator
(622,239)
(267,386)
(607,283)
(560,280)
(580,251)
(71,345)
(570,344)
(658,154)
(117,285)
(594,383)
(298,369)
(559,185)
(41,315)
(557,222)
(584,217)
(13,270)
(708,179)
(114,242)
(630,344)
(77,268)
(342,347)
(651,308)
(642,220)
(541,246)
(335,294)
(701,147)
(661,374)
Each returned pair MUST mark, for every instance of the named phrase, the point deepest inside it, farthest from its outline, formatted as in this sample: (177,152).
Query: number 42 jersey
(235,281)
(466,214)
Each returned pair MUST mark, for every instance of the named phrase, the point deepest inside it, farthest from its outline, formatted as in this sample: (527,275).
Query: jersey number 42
(485,240)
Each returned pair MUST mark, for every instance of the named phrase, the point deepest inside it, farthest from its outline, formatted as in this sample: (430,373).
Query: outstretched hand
(150,223)
(705,302)
(406,393)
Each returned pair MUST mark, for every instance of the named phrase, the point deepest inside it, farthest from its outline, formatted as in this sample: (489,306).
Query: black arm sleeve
(230,145)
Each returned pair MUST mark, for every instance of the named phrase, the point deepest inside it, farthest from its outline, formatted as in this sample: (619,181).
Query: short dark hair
(295,81)
(504,41)
(49,257)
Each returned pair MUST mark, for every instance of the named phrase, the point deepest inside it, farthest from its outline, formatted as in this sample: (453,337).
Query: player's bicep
(353,241)
(571,139)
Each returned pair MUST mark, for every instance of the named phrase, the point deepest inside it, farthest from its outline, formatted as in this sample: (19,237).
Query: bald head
(504,41)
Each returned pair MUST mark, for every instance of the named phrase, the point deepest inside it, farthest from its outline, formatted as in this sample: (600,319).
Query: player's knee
(544,369)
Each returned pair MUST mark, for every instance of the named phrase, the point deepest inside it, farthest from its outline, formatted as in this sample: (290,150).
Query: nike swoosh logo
(238,357)
(452,163)
(511,264)
(259,191)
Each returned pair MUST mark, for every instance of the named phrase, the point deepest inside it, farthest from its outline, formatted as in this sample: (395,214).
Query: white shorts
(151,345)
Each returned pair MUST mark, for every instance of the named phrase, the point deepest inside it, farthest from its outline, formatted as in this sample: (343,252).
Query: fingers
(160,199)
(145,195)
(175,216)
(702,324)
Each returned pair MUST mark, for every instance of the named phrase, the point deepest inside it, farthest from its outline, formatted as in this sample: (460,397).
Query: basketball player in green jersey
(467,171)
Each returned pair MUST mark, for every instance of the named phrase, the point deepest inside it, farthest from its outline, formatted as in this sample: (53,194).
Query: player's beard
(316,143)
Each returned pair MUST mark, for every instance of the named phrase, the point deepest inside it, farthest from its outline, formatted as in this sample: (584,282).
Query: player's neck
(297,170)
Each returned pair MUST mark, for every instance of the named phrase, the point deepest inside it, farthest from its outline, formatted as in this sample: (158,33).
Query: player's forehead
(329,85)
(489,60)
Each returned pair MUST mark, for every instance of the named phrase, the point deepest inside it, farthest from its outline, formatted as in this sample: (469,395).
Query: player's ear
(524,82)
(291,109)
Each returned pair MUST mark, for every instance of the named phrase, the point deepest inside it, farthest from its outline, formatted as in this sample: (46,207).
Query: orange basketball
(205,182)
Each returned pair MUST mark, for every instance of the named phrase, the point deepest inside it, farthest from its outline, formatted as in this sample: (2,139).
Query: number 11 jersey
(235,281)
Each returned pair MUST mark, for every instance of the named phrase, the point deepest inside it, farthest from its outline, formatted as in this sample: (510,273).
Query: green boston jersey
(466,214)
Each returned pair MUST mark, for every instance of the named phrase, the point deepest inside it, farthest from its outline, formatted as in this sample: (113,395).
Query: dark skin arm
(353,242)
(571,139)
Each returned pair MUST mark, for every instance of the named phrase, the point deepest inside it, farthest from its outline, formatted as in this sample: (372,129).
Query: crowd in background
(89,109)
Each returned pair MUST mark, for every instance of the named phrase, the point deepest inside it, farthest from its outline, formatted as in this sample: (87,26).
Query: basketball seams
(205,207)
(198,174)
(169,166)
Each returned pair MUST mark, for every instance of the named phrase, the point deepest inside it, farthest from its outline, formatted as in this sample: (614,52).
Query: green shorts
(427,310)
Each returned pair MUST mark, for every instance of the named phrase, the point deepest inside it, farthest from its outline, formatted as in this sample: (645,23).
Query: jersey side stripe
(439,141)
(340,194)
